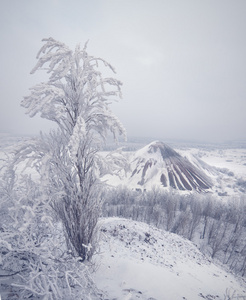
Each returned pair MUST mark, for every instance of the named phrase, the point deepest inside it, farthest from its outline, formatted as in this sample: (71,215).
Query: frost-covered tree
(34,261)
(77,98)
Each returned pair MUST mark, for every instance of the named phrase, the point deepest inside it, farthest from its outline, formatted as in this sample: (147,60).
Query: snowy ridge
(138,261)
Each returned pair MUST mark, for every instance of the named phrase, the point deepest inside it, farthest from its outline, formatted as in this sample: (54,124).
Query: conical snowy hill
(159,164)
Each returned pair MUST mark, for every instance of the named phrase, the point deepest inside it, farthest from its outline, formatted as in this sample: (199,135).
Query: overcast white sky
(182,63)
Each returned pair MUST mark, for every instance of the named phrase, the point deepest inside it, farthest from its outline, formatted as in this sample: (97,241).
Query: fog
(182,63)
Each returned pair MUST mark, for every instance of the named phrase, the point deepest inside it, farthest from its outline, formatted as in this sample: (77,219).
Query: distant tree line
(216,226)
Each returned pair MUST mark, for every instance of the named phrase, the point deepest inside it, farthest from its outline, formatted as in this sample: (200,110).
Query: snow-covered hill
(209,169)
(157,164)
(137,261)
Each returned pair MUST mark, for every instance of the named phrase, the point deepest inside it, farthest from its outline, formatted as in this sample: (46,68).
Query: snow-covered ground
(230,164)
(138,261)
(232,159)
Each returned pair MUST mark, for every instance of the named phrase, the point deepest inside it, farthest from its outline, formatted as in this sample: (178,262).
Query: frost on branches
(66,189)
(75,91)
(34,262)
(77,99)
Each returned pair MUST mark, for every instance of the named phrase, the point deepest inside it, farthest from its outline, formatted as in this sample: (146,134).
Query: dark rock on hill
(159,163)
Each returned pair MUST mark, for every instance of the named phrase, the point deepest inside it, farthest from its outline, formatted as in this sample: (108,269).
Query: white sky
(182,63)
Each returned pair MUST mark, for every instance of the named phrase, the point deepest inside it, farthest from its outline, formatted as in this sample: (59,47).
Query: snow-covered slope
(137,261)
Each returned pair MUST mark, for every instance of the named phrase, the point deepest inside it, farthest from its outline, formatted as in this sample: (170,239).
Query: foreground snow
(137,261)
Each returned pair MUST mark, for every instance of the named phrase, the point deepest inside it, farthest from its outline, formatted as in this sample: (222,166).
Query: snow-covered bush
(34,261)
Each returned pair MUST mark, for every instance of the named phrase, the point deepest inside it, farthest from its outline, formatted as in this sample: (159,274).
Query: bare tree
(207,207)
(170,210)
(195,209)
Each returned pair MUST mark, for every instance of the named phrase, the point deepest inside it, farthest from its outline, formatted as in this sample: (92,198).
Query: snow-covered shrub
(34,260)
(242,184)
(233,295)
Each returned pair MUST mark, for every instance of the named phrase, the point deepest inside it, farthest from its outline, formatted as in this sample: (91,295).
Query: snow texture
(138,261)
